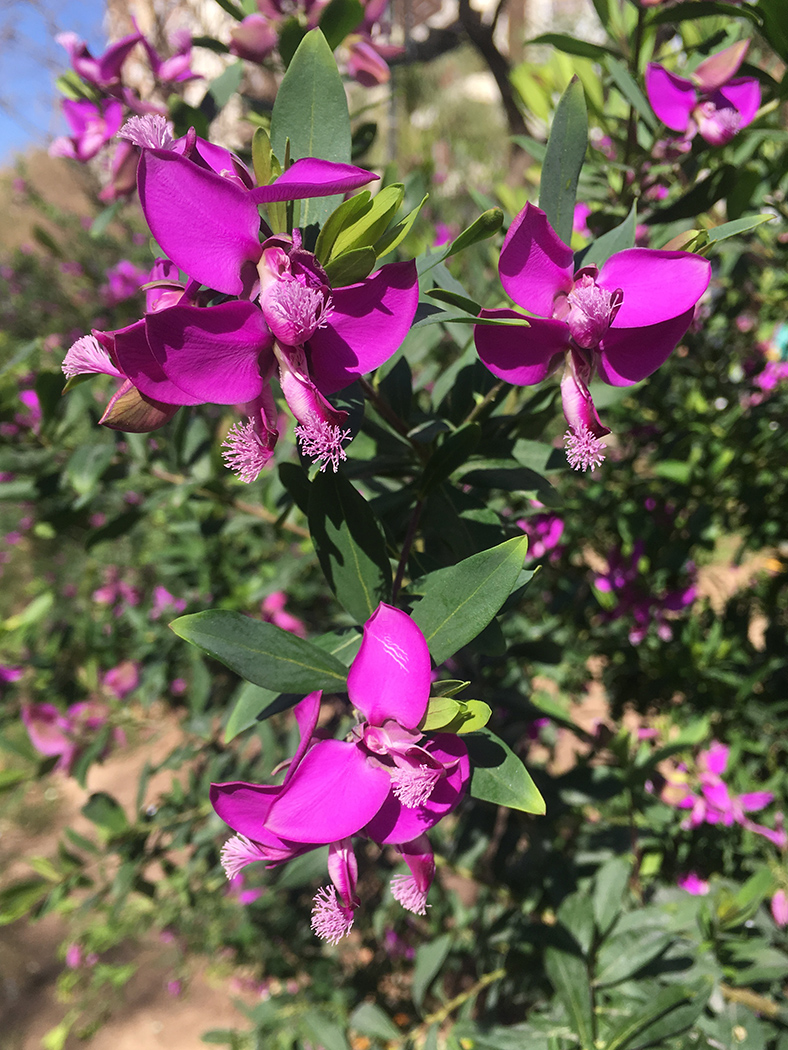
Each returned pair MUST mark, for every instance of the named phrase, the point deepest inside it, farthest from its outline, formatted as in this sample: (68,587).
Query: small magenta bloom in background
(712,101)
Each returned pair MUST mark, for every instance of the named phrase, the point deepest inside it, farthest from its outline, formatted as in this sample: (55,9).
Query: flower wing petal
(208,225)
(213,352)
(137,361)
(368,323)
(520,355)
(312,177)
(744,94)
(627,355)
(333,794)
(672,98)
(657,285)
(390,676)
(535,264)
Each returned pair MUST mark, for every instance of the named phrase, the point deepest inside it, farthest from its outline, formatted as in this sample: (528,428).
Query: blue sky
(30,62)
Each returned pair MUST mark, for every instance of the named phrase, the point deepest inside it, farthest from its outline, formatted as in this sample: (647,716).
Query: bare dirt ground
(146,1016)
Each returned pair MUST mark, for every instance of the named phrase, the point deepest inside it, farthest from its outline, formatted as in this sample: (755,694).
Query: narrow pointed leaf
(311,110)
(615,240)
(462,302)
(351,267)
(671,1011)
(568,975)
(262,653)
(367,228)
(566,150)
(350,545)
(343,216)
(458,602)
(487,225)
(498,775)
(391,238)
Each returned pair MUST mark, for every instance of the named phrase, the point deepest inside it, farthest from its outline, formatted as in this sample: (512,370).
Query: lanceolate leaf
(615,240)
(498,775)
(311,110)
(459,602)
(568,975)
(262,653)
(350,545)
(566,150)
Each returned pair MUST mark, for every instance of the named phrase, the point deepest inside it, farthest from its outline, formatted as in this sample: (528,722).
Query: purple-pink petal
(334,793)
(672,97)
(744,94)
(245,807)
(535,264)
(368,323)
(208,225)
(627,355)
(657,285)
(312,177)
(395,823)
(718,69)
(138,363)
(753,801)
(213,353)
(520,355)
(390,676)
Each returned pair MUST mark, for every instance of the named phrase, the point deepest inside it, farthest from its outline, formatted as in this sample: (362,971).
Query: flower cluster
(624,581)
(277,312)
(386,781)
(621,321)
(712,801)
(365,49)
(96,118)
(66,735)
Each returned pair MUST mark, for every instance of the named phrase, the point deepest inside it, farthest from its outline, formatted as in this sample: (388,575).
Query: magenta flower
(288,318)
(712,101)
(93,124)
(273,610)
(102,72)
(177,68)
(254,38)
(780,907)
(622,321)
(714,803)
(122,679)
(385,781)
(694,884)
(65,736)
(124,280)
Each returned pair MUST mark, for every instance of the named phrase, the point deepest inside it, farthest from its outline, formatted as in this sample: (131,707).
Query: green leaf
(610,886)
(252,701)
(20,898)
(368,227)
(222,89)
(572,46)
(462,302)
(262,157)
(106,812)
(568,975)
(775,29)
(498,775)
(487,225)
(670,1011)
(397,234)
(450,454)
(350,545)
(369,1019)
(623,954)
(9,778)
(262,653)
(455,716)
(618,239)
(342,217)
(351,267)
(703,194)
(311,110)
(566,150)
(99,225)
(232,9)
(459,601)
(692,9)
(628,87)
(430,957)
(339,18)
(290,36)
(738,226)
(323,1031)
